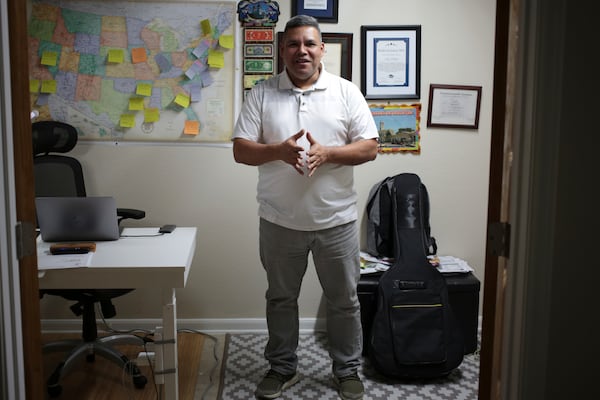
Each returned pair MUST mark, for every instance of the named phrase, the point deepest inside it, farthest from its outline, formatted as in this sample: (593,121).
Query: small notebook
(92,218)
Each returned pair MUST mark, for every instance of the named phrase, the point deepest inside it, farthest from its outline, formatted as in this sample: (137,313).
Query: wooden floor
(103,380)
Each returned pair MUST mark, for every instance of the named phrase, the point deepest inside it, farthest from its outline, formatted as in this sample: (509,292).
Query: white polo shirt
(335,112)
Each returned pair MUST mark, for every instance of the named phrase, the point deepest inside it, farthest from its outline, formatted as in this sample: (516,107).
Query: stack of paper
(370,264)
(445,264)
(449,264)
(49,261)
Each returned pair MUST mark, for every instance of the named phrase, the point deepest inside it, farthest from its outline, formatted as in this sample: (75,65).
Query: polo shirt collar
(321,84)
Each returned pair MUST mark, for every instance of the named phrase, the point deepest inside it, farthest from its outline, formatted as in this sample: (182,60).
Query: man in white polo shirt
(305,129)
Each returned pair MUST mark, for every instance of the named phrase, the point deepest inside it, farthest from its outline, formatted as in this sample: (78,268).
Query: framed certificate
(322,10)
(454,106)
(391,62)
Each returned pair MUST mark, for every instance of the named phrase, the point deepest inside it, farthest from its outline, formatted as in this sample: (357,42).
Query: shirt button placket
(303,101)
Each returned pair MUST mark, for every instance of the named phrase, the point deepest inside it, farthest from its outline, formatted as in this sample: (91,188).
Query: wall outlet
(145,358)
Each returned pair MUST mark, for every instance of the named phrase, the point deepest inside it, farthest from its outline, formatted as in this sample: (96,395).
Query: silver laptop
(91,218)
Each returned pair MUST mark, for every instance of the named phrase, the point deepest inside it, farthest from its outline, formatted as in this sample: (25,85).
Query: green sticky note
(144,89)
(205,25)
(151,115)
(127,121)
(116,56)
(48,86)
(182,100)
(34,85)
(49,58)
(216,59)
(136,103)
(226,41)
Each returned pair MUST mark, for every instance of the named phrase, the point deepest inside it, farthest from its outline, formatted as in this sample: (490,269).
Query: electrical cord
(146,338)
(139,236)
(215,356)
(108,327)
(151,365)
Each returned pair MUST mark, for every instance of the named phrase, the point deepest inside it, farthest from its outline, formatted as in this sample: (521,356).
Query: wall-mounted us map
(140,71)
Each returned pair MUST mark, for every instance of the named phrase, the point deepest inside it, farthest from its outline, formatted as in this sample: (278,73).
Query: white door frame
(12,369)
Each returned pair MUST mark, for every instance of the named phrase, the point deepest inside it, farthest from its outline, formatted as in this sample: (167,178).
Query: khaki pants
(284,255)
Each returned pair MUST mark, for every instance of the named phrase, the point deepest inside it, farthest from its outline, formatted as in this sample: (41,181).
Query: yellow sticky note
(139,55)
(136,103)
(127,121)
(226,41)
(216,59)
(151,115)
(34,85)
(205,25)
(144,89)
(49,58)
(191,127)
(48,86)
(182,100)
(116,56)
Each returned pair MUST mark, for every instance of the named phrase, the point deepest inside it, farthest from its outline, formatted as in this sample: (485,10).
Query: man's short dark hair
(302,20)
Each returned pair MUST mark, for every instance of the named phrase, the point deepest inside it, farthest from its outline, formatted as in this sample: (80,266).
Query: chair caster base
(140,381)
(54,390)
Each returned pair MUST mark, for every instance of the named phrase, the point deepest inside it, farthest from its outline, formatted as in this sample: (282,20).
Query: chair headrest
(53,137)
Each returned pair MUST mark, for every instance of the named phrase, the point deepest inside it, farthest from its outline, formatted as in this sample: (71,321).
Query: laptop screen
(77,218)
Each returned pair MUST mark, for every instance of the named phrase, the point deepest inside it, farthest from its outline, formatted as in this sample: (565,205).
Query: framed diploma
(454,106)
(322,10)
(391,62)
(338,54)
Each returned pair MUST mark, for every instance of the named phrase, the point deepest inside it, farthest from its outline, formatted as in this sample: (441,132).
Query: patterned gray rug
(244,366)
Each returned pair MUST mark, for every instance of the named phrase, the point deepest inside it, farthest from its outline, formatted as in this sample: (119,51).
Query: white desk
(135,262)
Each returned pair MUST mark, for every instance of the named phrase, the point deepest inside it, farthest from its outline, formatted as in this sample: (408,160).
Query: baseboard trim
(209,325)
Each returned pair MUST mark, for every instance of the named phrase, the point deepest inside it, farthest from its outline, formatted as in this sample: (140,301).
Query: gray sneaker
(349,387)
(274,383)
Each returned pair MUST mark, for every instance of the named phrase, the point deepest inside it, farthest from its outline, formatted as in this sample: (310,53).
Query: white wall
(203,187)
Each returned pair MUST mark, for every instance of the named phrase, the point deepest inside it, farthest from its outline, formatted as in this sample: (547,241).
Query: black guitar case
(414,332)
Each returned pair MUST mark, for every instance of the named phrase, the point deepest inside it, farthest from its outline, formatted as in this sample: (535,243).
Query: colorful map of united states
(102,58)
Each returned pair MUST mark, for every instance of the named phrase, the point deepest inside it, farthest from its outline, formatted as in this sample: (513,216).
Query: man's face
(302,51)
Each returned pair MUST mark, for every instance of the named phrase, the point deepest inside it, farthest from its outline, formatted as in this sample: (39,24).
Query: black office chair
(60,175)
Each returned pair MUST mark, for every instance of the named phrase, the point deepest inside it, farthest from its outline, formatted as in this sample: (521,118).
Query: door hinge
(498,239)
(25,235)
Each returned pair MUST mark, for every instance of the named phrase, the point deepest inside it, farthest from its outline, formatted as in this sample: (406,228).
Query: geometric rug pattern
(244,366)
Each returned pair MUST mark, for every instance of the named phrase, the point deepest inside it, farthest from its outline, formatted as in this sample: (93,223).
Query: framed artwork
(454,106)
(258,34)
(391,62)
(251,80)
(258,65)
(398,126)
(258,50)
(322,10)
(338,54)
